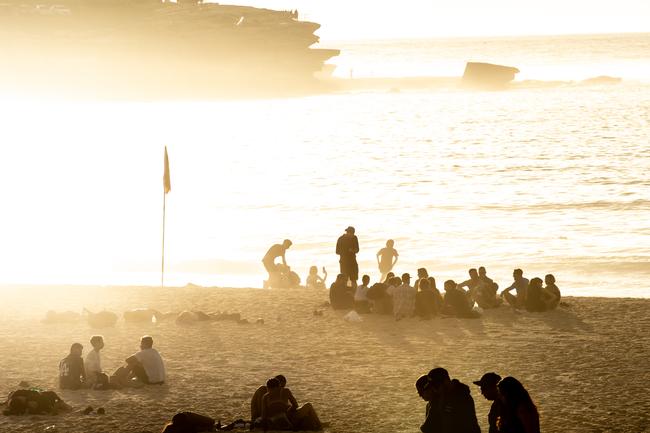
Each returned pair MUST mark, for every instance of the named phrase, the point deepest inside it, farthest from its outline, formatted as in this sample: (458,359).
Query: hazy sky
(372,19)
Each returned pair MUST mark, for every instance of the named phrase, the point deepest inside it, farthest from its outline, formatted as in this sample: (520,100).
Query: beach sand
(585,365)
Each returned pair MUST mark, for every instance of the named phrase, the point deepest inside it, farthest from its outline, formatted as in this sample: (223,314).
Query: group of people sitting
(395,295)
(450,406)
(273,407)
(145,367)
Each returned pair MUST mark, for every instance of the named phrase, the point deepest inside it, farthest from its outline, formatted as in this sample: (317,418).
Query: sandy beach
(585,365)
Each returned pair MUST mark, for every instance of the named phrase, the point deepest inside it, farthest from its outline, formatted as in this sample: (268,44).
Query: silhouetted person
(72,374)
(472,285)
(487,293)
(280,410)
(314,281)
(520,285)
(381,301)
(519,414)
(538,298)
(433,414)
(422,273)
(361,304)
(549,279)
(456,402)
(347,248)
(276,250)
(488,384)
(256,400)
(404,298)
(456,302)
(95,377)
(426,305)
(147,364)
(341,296)
(386,259)
(32,402)
(440,301)
(189,422)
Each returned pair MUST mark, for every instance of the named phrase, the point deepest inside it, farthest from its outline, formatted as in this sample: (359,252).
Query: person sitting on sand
(280,410)
(256,400)
(95,377)
(440,301)
(33,402)
(457,302)
(341,297)
(189,422)
(487,294)
(72,374)
(520,285)
(538,299)
(404,299)
(433,414)
(472,285)
(426,305)
(551,288)
(422,273)
(380,301)
(361,304)
(519,413)
(456,403)
(387,259)
(488,384)
(276,250)
(314,281)
(145,367)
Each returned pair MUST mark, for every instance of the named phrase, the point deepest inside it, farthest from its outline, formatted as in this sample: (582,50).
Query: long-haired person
(519,413)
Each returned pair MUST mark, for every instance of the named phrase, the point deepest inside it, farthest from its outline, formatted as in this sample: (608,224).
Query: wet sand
(585,365)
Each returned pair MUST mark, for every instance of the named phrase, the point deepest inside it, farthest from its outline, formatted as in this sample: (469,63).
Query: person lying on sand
(189,422)
(520,285)
(314,281)
(145,367)
(95,377)
(72,374)
(33,402)
(280,410)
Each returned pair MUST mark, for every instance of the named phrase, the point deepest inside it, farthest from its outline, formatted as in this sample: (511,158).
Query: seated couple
(145,367)
(532,295)
(481,289)
(273,407)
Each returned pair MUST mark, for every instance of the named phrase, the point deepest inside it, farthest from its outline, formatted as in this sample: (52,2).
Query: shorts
(350,267)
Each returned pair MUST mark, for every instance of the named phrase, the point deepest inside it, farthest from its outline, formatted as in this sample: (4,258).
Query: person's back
(534,297)
(459,412)
(340,295)
(456,303)
(153,365)
(425,301)
(256,403)
(71,369)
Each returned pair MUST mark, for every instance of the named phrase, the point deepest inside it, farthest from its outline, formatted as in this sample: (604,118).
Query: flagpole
(162,265)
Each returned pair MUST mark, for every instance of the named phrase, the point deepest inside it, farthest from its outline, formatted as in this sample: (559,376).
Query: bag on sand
(352,316)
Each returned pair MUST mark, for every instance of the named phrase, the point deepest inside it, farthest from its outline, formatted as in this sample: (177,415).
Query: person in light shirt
(361,304)
(147,364)
(404,299)
(95,377)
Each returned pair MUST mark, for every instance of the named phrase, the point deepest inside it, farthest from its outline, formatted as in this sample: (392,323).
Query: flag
(167,185)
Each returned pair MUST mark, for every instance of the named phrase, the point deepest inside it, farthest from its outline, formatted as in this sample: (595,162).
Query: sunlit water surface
(553,180)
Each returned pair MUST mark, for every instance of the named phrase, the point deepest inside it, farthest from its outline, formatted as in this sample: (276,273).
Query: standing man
(277,250)
(488,384)
(347,248)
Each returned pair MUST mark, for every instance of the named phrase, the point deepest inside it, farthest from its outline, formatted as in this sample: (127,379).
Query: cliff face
(157,49)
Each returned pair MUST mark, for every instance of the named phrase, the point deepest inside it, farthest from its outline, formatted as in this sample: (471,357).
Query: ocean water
(552,179)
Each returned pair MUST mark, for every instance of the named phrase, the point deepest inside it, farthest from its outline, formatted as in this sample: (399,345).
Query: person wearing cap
(458,414)
(347,248)
(488,384)
(276,250)
(433,416)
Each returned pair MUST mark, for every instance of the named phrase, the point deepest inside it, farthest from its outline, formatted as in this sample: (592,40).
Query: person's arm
(355,245)
(463,284)
(395,257)
(508,289)
(292,400)
(378,254)
(83,370)
(324,275)
(339,247)
(284,260)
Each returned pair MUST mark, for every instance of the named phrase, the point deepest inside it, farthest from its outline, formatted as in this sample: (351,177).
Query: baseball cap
(488,379)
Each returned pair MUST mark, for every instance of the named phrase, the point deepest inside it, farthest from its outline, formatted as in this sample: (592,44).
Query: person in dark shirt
(347,247)
(551,288)
(341,296)
(71,369)
(458,414)
(519,413)
(488,384)
(456,302)
(433,416)
(426,305)
(276,250)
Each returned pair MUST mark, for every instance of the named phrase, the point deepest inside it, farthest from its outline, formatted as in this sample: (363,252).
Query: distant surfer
(347,248)
(277,250)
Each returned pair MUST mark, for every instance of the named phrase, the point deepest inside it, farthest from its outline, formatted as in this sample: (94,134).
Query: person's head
(422,273)
(513,394)
(286,243)
(365,280)
(272,383)
(97,341)
(424,284)
(406,278)
(313,270)
(432,283)
(535,283)
(423,386)
(517,274)
(282,380)
(390,243)
(450,285)
(395,281)
(481,271)
(439,378)
(341,279)
(473,274)
(76,349)
(146,342)
(349,231)
(549,279)
(488,384)
(389,276)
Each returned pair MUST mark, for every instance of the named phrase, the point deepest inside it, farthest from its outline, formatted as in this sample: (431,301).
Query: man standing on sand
(488,384)
(276,250)
(347,248)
